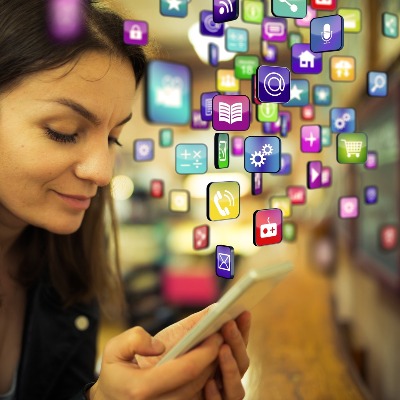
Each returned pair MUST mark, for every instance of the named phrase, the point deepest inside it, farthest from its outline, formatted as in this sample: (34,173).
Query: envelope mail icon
(224,261)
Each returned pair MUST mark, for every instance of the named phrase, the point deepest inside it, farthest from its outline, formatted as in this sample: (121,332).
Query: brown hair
(78,264)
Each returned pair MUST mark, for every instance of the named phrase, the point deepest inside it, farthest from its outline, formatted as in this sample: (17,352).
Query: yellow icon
(226,81)
(223,200)
(179,200)
(343,69)
(283,203)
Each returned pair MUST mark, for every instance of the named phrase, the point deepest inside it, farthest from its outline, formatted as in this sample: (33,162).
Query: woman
(62,109)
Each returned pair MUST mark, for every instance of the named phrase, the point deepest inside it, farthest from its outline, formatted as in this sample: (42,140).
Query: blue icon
(299,93)
(269,52)
(390,25)
(304,61)
(213,54)
(262,154)
(237,40)
(371,194)
(327,33)
(207,106)
(289,8)
(174,8)
(207,25)
(225,10)
(377,84)
(273,84)
(143,149)
(286,164)
(191,158)
(343,120)
(224,261)
(322,95)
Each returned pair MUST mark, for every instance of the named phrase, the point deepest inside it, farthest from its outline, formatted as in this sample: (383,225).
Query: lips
(75,201)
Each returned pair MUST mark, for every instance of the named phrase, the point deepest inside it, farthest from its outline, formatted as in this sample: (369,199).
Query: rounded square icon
(262,154)
(377,84)
(245,66)
(269,52)
(289,231)
(371,195)
(388,237)
(326,5)
(267,227)
(343,120)
(322,95)
(304,61)
(267,112)
(179,200)
(372,160)
(237,40)
(207,25)
(351,148)
(157,188)
(299,93)
(165,137)
(225,10)
(390,25)
(226,81)
(224,261)
(326,177)
(305,22)
(289,9)
(274,29)
(314,174)
(296,194)
(310,139)
(174,8)
(136,32)
(283,203)
(223,200)
(191,158)
(326,136)
(342,69)
(351,19)
(201,237)
(273,84)
(143,149)
(348,207)
(327,33)
(231,113)
(237,145)
(252,11)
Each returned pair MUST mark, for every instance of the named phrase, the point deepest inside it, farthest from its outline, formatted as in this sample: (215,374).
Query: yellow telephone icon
(217,198)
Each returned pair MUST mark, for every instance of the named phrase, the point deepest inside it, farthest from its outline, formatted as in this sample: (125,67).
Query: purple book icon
(231,113)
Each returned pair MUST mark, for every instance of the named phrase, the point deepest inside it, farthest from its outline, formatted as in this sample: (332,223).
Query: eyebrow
(85,113)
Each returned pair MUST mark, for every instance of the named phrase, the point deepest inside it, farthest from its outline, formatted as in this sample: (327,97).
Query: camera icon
(268,230)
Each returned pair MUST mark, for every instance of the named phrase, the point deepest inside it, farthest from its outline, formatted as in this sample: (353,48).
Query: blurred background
(331,329)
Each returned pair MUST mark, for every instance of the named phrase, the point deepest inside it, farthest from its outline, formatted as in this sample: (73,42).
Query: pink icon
(389,237)
(307,112)
(296,194)
(348,207)
(305,22)
(237,145)
(310,141)
(372,160)
(326,177)
(231,112)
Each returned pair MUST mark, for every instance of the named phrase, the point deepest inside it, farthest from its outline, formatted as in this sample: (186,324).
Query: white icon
(340,122)
(143,149)
(353,147)
(170,92)
(196,158)
(379,83)
(230,113)
(343,67)
(218,197)
(224,261)
(311,139)
(326,34)
(278,88)
(348,207)
(258,157)
(222,146)
(391,24)
(272,29)
(225,7)
(268,109)
(306,59)
(314,174)
(350,21)
(210,25)
(228,81)
(295,92)
(174,4)
(135,32)
(268,230)
(293,7)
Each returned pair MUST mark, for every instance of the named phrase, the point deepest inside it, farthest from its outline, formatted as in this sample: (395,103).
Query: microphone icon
(326,34)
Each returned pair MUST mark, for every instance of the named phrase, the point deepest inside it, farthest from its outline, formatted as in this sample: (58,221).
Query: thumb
(133,341)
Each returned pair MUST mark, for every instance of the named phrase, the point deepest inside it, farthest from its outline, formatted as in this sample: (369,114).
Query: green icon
(294,38)
(289,231)
(326,136)
(267,112)
(351,148)
(390,25)
(245,66)
(221,150)
(253,11)
(289,9)
(165,137)
(351,18)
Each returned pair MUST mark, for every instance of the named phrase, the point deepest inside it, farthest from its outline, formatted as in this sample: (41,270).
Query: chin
(64,227)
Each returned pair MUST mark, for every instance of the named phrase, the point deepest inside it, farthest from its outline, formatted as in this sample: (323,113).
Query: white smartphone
(242,296)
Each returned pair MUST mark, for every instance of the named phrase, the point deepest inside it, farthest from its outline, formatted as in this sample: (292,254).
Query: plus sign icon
(267,226)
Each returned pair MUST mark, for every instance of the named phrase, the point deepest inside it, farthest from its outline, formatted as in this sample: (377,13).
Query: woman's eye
(114,140)
(61,137)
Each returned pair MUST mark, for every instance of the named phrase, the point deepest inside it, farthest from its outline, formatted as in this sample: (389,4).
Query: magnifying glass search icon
(379,83)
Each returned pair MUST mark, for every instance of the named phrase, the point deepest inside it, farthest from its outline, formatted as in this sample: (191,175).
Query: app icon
(307,112)
(157,188)
(252,11)
(351,19)
(256,183)
(326,33)
(326,177)
(221,150)
(299,93)
(245,66)
(389,237)
(283,203)
(377,84)
(286,164)
(191,158)
(226,81)
(274,29)
(225,10)
(326,136)
(267,227)
(273,84)
(305,22)
(310,139)
(174,8)
(201,237)
(371,194)
(224,261)
(237,40)
(213,54)
(314,174)
(348,207)
(269,52)
(304,61)
(168,93)
(207,25)
(231,113)
(197,121)
(294,38)
(325,5)
(143,149)
(296,194)
(322,95)
(165,137)
(289,8)
(390,25)
(262,154)
(267,112)
(289,231)
(343,120)
(206,105)
(223,200)
(136,32)
(372,160)
(179,200)
(285,121)
(351,148)
(237,143)
(342,69)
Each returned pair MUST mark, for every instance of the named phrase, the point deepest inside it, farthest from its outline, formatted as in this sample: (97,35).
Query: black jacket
(59,347)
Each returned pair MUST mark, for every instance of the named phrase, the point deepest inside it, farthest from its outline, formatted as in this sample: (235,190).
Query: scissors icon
(378,82)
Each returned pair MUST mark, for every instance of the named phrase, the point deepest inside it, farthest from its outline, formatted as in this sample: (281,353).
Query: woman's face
(57,141)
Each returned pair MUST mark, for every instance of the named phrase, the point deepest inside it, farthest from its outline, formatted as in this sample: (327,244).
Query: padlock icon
(135,32)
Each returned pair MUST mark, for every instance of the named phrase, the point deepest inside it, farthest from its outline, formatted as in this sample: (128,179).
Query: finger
(233,389)
(243,322)
(192,320)
(211,391)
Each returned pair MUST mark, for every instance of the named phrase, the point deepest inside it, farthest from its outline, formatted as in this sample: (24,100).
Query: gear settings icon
(258,157)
